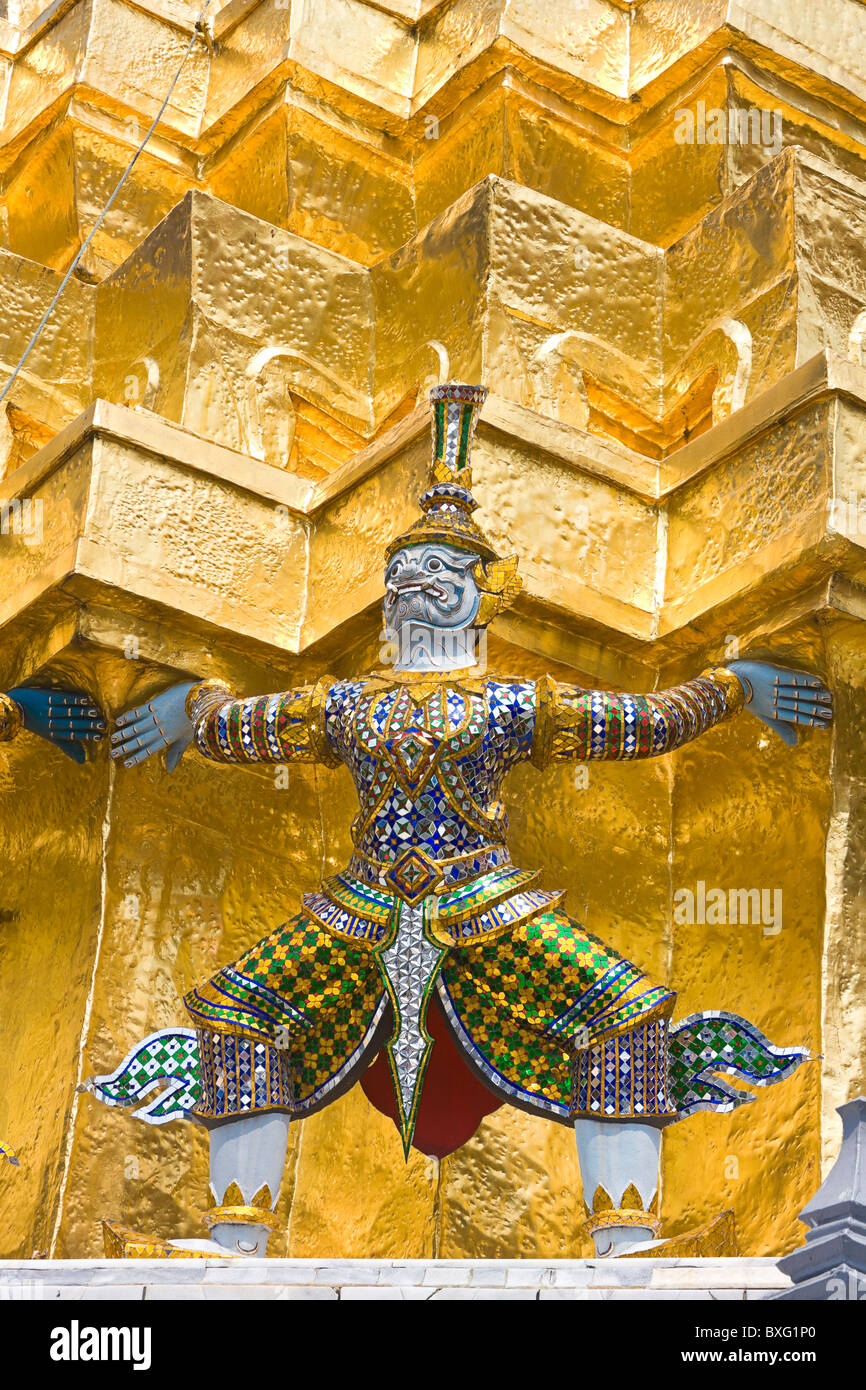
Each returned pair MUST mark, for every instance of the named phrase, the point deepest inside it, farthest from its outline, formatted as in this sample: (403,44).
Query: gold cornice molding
(75,118)
(572,448)
(357,348)
(294,540)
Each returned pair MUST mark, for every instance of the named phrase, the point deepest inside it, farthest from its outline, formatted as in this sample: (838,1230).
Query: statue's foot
(202,1247)
(236,1242)
(122,1243)
(613,1241)
(246,1238)
(718,1238)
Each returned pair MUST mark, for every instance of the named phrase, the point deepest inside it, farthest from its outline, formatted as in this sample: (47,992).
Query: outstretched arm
(287,727)
(579,725)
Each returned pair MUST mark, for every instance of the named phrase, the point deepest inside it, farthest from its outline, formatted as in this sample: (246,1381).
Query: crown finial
(456,407)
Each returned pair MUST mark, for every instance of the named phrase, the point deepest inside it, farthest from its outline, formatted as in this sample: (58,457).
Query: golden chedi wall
(643,226)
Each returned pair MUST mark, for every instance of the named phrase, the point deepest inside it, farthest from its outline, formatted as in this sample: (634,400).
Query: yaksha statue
(431,940)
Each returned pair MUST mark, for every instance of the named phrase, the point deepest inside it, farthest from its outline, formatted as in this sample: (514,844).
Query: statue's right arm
(280,728)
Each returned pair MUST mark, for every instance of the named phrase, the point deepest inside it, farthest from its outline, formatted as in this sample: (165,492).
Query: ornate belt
(412,877)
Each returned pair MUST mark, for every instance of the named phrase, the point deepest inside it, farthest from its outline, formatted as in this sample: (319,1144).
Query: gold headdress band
(448,504)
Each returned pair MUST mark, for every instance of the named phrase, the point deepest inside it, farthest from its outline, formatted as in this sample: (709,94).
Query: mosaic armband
(11,718)
(206,696)
(282,728)
(578,725)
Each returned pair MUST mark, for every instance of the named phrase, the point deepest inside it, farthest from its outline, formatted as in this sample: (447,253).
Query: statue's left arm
(579,725)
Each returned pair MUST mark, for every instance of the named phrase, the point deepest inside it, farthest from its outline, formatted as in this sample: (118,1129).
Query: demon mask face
(431,584)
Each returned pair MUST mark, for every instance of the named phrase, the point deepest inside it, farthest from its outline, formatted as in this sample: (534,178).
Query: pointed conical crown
(448,504)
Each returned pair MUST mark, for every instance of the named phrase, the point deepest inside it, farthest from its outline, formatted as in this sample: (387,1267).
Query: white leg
(619,1169)
(247,1156)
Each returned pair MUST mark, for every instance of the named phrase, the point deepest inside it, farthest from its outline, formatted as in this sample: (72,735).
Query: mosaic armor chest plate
(428,759)
(427,766)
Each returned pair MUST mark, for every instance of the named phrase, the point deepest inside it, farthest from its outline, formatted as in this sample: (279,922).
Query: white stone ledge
(433,1280)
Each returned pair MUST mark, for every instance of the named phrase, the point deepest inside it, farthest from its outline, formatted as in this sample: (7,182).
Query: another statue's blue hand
(162,723)
(783,698)
(67,718)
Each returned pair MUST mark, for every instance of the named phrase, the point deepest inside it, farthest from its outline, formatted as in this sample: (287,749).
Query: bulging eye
(434,563)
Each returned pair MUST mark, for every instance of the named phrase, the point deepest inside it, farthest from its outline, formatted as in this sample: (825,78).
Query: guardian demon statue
(431,950)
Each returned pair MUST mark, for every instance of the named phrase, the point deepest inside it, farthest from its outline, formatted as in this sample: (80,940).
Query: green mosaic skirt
(547,1016)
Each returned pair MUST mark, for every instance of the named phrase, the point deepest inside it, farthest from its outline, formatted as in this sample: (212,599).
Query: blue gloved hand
(162,723)
(783,698)
(67,718)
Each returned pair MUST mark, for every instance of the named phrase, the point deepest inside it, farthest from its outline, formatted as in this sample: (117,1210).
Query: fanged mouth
(396,591)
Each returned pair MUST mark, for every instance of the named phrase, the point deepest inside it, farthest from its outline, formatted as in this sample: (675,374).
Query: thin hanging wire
(198,31)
